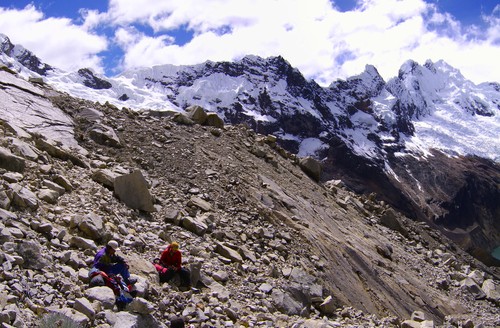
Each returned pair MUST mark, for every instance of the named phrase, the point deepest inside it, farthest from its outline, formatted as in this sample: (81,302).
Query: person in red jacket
(171,260)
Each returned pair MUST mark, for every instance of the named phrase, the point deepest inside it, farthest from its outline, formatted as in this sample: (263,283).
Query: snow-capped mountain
(20,59)
(427,141)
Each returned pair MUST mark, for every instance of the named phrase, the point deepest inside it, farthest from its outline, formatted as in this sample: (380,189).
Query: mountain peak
(5,45)
(21,59)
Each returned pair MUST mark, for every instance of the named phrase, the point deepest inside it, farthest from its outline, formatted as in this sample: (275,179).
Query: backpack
(162,271)
(123,294)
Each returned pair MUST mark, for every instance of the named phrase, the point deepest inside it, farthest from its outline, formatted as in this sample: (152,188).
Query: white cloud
(324,43)
(57,41)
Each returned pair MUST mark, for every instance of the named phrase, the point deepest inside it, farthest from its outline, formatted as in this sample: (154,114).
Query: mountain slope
(398,139)
(271,246)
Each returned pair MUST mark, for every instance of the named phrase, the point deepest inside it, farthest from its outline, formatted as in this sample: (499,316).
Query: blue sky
(325,39)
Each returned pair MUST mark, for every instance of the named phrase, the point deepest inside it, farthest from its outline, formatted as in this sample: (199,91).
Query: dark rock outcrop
(92,81)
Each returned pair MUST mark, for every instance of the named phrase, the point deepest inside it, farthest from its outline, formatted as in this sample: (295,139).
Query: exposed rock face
(460,195)
(266,244)
(23,56)
(92,81)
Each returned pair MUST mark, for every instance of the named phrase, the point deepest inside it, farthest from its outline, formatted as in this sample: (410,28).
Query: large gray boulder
(31,253)
(105,177)
(91,225)
(196,225)
(214,120)
(84,306)
(56,150)
(23,197)
(285,303)
(311,167)
(197,114)
(142,267)
(391,220)
(132,189)
(48,195)
(102,294)
(104,135)
(228,253)
(491,290)
(82,243)
(23,149)
(181,118)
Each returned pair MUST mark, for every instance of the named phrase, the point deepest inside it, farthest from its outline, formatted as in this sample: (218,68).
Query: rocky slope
(399,139)
(267,244)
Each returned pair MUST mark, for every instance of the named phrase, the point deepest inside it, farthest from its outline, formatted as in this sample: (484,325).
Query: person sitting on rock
(171,263)
(108,262)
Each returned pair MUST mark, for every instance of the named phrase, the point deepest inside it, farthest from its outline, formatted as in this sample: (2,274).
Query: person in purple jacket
(108,262)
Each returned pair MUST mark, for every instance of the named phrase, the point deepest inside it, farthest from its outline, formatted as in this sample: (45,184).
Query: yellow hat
(174,245)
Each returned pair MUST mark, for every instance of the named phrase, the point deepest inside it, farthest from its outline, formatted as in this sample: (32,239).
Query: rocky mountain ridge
(398,139)
(267,244)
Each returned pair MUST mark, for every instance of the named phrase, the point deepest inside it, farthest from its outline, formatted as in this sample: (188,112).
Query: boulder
(285,303)
(10,161)
(195,225)
(142,267)
(217,289)
(7,215)
(104,135)
(214,120)
(82,243)
(410,324)
(141,306)
(200,203)
(54,186)
(55,150)
(105,177)
(23,149)
(311,167)
(132,189)
(63,182)
(195,272)
(23,197)
(247,254)
(84,306)
(48,195)
(468,284)
(228,253)
(92,226)
(197,114)
(491,290)
(102,294)
(4,200)
(391,220)
(418,316)
(32,255)
(182,119)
